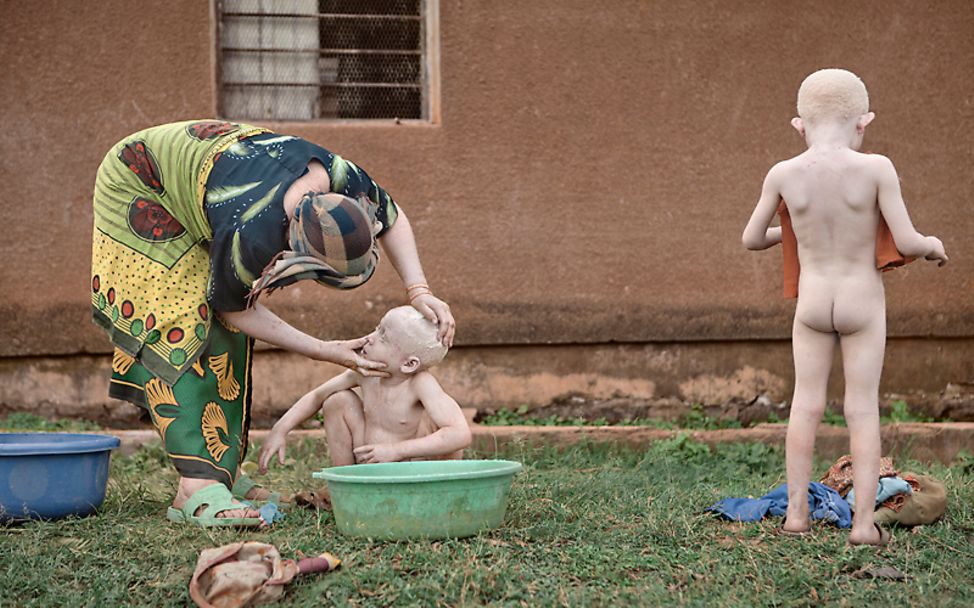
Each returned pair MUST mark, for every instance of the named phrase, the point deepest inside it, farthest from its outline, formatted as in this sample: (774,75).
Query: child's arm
(303,409)
(757,234)
(453,432)
(908,241)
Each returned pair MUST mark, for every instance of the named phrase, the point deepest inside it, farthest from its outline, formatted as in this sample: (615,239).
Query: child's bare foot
(788,532)
(796,522)
(874,536)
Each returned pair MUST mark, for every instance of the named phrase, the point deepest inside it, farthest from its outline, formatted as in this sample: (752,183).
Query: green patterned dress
(187,217)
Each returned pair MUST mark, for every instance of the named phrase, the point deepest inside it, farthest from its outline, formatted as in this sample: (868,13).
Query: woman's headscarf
(332,240)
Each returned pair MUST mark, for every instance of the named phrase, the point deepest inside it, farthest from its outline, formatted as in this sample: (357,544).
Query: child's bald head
(414,335)
(832,94)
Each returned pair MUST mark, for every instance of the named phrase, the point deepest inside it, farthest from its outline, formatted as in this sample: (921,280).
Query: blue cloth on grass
(823,503)
(888,487)
(270,513)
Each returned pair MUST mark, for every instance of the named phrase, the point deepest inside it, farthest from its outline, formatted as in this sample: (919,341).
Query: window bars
(325,59)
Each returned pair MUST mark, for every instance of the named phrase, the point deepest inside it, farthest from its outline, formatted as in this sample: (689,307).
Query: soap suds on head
(832,94)
(416,336)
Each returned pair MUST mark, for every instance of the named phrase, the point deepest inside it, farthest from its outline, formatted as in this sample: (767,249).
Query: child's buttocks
(842,305)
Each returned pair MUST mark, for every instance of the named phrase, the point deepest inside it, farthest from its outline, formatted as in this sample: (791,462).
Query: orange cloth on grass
(887,256)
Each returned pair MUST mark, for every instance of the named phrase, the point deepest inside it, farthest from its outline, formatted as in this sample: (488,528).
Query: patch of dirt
(955,403)
(620,408)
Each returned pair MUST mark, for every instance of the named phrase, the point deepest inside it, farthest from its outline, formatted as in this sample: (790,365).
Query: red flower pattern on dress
(151,221)
(140,161)
(209,129)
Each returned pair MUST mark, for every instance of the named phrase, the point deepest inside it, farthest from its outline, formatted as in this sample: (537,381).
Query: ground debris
(318,499)
(880,572)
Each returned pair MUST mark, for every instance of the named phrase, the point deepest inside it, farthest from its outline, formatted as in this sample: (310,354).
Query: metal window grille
(324,59)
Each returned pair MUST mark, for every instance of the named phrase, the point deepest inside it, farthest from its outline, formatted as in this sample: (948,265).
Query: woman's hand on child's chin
(347,354)
(381,452)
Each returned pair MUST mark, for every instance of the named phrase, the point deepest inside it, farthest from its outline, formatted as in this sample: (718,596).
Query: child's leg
(344,426)
(862,360)
(812,351)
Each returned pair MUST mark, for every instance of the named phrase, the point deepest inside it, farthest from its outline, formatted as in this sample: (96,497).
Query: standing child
(404,416)
(837,198)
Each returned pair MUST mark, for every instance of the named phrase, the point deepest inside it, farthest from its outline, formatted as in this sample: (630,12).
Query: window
(328,59)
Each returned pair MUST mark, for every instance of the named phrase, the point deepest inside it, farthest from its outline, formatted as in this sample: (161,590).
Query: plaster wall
(587,183)
(647,380)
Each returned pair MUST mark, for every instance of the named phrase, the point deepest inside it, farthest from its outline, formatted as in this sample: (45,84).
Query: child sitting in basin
(839,202)
(405,416)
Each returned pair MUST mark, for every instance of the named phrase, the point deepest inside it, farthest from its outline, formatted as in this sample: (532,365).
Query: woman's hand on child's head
(381,452)
(437,311)
(346,354)
(274,444)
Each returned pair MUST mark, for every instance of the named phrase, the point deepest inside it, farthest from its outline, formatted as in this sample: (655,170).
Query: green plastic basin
(424,499)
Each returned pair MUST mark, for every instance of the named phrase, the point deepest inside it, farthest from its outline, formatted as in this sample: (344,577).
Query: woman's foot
(259,493)
(189,486)
(248,489)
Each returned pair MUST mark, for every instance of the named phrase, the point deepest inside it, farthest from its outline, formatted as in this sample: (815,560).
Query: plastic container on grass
(52,475)
(423,499)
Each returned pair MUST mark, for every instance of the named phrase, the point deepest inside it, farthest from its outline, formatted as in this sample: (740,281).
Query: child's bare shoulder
(878,162)
(876,166)
(783,168)
(790,162)
(423,380)
(780,174)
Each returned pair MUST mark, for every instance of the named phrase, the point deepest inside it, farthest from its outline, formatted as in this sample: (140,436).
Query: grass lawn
(586,526)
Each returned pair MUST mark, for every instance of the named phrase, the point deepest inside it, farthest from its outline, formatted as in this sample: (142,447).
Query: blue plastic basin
(52,475)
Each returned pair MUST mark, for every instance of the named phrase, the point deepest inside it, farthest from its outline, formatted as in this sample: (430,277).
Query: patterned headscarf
(332,240)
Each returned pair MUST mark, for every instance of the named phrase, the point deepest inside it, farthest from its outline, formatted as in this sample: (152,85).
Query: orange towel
(887,257)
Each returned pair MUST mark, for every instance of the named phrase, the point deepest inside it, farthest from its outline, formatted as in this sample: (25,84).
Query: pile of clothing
(907,499)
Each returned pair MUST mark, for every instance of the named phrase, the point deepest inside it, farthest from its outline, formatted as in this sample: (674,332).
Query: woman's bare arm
(399,244)
(260,323)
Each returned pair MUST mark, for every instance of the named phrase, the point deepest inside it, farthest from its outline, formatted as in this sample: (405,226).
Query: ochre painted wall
(588,183)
